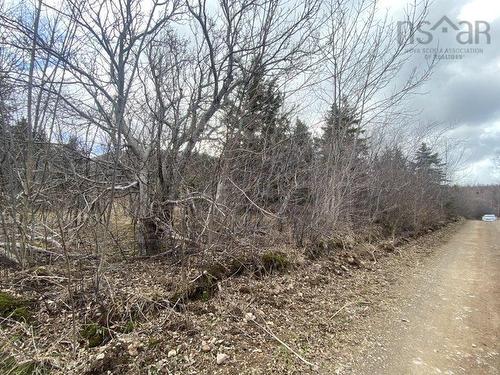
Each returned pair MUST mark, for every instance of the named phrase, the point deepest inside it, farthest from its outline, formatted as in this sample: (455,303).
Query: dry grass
(148,323)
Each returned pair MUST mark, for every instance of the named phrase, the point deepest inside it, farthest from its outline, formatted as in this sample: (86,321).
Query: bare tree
(363,52)
(154,93)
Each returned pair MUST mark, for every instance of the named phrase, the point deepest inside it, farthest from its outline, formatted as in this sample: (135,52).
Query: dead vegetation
(265,317)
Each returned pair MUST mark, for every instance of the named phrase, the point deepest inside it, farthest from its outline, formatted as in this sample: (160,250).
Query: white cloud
(480,172)
(491,130)
(483,10)
(391,4)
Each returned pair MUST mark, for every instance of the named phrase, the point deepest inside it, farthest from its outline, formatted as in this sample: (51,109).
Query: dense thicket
(171,127)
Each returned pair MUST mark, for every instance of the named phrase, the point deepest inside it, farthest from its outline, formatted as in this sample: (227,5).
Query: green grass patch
(14,307)
(9,366)
(95,334)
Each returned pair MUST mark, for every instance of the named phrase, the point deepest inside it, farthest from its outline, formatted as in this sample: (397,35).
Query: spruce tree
(258,137)
(429,164)
(342,132)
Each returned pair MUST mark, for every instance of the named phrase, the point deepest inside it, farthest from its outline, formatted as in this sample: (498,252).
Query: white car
(489,217)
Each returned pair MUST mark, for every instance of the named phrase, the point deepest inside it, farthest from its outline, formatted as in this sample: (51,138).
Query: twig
(339,310)
(269,332)
(252,202)
(348,304)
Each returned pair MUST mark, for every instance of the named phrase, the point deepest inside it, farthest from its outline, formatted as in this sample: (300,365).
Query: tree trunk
(148,235)
(154,220)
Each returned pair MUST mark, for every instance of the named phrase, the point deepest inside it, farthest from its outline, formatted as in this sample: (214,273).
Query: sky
(463,94)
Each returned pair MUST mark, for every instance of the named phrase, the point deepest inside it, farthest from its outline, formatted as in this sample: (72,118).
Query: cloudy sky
(463,94)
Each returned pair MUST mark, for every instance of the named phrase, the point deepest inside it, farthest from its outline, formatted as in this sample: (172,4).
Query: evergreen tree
(301,159)
(255,118)
(259,132)
(429,164)
(303,142)
(342,132)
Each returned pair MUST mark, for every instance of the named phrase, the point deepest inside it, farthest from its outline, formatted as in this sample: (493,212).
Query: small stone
(132,351)
(474,345)
(205,347)
(249,317)
(133,348)
(172,353)
(100,356)
(221,358)
(161,363)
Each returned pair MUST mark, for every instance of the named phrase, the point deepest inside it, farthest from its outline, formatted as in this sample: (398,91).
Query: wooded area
(170,123)
(173,130)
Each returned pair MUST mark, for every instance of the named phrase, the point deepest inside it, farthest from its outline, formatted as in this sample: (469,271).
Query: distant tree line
(476,200)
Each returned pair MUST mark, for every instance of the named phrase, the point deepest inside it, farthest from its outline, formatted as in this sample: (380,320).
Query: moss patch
(275,261)
(316,249)
(95,334)
(327,246)
(14,308)
(153,343)
(203,289)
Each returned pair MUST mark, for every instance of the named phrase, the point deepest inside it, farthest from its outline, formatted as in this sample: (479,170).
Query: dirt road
(446,319)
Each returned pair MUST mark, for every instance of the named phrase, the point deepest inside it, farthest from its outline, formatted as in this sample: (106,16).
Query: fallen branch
(11,255)
(269,332)
(4,245)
